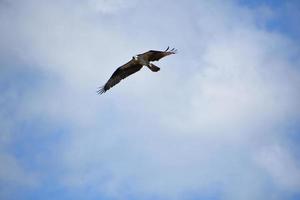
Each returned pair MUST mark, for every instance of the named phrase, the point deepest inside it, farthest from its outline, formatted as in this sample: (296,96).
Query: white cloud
(193,127)
(281,165)
(110,6)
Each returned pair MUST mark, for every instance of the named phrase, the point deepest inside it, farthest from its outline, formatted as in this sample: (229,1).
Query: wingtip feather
(171,51)
(101,90)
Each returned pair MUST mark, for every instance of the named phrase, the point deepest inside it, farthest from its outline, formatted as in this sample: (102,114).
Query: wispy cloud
(281,165)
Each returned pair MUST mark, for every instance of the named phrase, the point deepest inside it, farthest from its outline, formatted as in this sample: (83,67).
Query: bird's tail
(153,67)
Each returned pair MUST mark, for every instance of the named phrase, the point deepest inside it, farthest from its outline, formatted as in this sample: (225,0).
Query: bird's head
(135,57)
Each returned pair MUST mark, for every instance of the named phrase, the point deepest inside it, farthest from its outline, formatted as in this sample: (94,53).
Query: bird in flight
(134,65)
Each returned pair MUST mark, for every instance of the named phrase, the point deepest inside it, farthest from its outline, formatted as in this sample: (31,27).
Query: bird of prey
(134,65)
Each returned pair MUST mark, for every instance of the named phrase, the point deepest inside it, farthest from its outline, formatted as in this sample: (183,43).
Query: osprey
(134,65)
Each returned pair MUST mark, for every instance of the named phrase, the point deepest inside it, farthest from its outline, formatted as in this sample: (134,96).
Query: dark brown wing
(122,72)
(153,55)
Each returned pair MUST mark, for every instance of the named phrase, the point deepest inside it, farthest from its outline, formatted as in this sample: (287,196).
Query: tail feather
(153,68)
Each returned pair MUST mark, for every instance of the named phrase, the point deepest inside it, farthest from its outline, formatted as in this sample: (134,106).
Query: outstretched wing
(153,55)
(122,72)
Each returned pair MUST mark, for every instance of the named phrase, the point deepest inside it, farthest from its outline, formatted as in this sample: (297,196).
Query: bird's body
(134,65)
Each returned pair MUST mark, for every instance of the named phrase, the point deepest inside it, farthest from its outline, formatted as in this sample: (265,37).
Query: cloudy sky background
(220,120)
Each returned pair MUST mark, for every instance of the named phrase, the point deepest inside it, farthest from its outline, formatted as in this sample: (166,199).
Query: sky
(219,121)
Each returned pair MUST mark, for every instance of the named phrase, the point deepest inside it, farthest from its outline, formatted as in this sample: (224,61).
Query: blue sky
(219,121)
